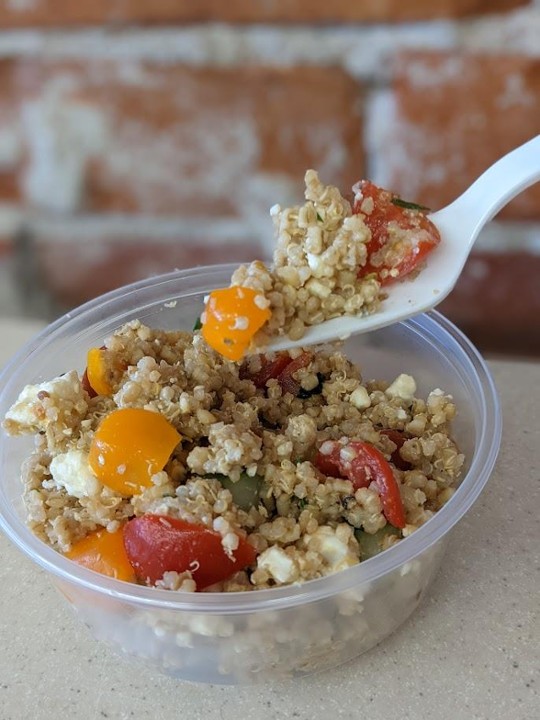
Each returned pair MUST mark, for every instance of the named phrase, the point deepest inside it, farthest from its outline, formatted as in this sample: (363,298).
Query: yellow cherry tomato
(129,446)
(231,318)
(97,373)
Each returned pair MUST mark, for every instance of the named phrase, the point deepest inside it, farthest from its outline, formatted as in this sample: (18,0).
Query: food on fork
(331,259)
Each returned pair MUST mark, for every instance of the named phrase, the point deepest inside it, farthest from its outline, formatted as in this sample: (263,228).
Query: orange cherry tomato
(231,318)
(105,553)
(129,446)
(418,236)
(156,544)
(97,373)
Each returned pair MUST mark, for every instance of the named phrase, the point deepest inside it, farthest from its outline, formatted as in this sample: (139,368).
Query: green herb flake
(302,503)
(198,324)
(319,218)
(408,205)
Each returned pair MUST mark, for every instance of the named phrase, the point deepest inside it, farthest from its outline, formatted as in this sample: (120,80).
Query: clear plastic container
(285,632)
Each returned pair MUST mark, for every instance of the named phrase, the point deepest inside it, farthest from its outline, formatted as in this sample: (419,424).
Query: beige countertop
(470,651)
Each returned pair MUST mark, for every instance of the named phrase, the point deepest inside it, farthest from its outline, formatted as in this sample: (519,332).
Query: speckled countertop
(470,651)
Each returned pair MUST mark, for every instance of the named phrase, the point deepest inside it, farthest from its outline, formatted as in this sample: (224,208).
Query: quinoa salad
(186,461)
(166,464)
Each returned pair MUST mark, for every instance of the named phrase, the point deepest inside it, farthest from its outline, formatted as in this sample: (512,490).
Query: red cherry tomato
(281,368)
(156,544)
(365,465)
(417,238)
(286,379)
(85,382)
(269,369)
(329,463)
(398,437)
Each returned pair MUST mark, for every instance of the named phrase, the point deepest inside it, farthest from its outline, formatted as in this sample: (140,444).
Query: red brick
(118,12)
(457,113)
(97,267)
(9,189)
(497,303)
(177,140)
(6,248)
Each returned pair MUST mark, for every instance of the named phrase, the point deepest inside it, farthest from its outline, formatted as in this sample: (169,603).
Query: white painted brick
(10,302)
(10,145)
(381,124)
(89,229)
(363,50)
(499,236)
(61,137)
(20,5)
(10,219)
(516,32)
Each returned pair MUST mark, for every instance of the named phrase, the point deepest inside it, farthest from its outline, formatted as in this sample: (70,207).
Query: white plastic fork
(459,225)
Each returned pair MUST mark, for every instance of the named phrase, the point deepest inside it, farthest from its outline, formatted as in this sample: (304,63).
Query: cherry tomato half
(286,377)
(398,437)
(417,235)
(281,368)
(232,318)
(270,369)
(104,552)
(156,544)
(85,382)
(129,446)
(362,464)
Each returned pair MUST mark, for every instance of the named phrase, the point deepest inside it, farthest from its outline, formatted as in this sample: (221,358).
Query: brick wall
(142,135)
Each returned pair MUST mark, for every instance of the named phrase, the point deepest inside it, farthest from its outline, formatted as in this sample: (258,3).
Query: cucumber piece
(371,545)
(245,491)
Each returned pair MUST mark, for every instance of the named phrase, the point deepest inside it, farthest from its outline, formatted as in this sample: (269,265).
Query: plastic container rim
(421,540)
